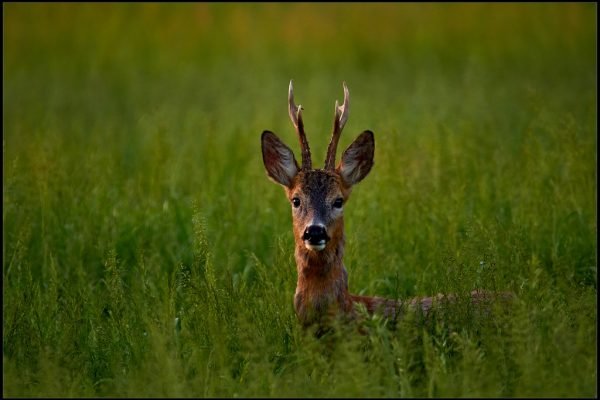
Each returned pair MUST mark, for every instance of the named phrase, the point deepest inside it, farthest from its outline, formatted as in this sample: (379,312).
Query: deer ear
(279,159)
(357,159)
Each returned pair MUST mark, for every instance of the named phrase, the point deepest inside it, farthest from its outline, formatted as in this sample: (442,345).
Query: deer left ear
(279,159)
(357,159)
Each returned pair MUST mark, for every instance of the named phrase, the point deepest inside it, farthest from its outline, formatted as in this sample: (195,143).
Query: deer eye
(296,202)
(338,202)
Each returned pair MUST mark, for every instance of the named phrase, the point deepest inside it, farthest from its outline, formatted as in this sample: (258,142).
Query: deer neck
(322,287)
(319,265)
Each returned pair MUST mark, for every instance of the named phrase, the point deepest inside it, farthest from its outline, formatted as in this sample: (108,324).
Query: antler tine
(296,117)
(339,120)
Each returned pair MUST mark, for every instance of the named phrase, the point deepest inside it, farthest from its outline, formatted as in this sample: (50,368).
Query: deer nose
(315,234)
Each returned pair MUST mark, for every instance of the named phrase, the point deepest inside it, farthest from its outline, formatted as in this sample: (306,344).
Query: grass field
(145,252)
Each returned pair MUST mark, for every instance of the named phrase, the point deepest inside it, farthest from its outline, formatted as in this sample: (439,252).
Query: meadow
(145,252)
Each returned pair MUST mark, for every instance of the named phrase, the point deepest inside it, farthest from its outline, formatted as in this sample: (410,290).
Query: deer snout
(315,237)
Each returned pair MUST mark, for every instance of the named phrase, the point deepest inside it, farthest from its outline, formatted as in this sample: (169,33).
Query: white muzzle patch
(315,247)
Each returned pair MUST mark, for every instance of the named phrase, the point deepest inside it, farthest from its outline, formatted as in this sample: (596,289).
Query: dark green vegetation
(134,194)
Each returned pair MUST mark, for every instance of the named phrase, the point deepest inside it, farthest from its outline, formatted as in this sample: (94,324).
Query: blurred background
(133,188)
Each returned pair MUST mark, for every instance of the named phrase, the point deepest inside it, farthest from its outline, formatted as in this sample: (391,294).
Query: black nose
(315,234)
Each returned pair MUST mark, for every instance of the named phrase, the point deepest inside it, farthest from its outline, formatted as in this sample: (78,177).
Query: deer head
(318,196)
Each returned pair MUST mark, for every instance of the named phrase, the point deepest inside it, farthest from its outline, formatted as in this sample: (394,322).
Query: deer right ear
(357,160)
(279,159)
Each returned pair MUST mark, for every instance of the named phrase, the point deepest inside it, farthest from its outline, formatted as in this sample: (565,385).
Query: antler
(339,120)
(296,117)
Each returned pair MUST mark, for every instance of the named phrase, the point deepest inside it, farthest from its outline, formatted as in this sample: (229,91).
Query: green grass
(134,194)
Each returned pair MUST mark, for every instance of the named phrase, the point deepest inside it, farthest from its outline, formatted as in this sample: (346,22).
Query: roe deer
(317,197)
